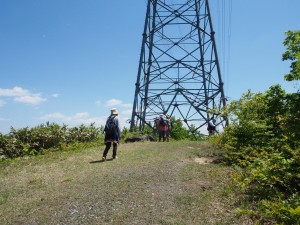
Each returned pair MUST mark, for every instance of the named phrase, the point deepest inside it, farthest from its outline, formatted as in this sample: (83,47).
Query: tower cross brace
(178,72)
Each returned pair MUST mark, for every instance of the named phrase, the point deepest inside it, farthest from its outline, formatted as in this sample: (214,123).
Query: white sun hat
(114,111)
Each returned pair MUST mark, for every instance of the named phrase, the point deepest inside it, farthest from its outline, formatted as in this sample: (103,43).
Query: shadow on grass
(101,161)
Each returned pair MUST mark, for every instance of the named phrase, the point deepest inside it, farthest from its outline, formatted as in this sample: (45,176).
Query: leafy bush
(178,132)
(34,141)
(263,138)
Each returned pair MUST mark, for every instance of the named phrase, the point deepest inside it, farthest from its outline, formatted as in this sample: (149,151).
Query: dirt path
(149,183)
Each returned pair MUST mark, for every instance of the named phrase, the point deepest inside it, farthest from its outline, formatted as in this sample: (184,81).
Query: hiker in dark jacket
(169,128)
(112,134)
(211,127)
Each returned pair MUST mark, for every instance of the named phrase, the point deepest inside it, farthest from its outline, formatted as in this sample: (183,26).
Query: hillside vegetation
(263,143)
(263,140)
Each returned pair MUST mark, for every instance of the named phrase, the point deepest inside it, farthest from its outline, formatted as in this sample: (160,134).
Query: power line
(229,43)
(224,10)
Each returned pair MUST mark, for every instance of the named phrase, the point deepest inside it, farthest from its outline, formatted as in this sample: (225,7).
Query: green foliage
(263,138)
(3,143)
(82,133)
(34,141)
(262,124)
(194,134)
(178,132)
(126,133)
(148,130)
(282,211)
(275,176)
(292,44)
(291,121)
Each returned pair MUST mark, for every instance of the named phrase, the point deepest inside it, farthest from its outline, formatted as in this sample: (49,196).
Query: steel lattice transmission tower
(178,72)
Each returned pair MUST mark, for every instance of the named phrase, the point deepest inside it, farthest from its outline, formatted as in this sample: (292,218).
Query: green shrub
(34,141)
(263,138)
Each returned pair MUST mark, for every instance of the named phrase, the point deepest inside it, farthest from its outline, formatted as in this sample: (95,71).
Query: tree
(292,44)
(263,137)
(178,132)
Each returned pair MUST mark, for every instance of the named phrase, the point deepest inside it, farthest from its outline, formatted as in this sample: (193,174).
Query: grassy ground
(149,183)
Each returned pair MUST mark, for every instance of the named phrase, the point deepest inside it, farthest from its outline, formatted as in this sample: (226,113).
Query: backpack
(211,126)
(163,121)
(110,126)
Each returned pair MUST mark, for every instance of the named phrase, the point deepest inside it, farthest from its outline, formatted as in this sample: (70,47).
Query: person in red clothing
(162,127)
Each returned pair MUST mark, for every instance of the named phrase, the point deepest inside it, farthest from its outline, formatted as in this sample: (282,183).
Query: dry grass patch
(150,183)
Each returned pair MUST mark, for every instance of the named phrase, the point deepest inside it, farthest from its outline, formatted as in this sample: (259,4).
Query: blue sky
(71,61)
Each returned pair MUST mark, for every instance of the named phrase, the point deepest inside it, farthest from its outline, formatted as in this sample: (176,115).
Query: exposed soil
(205,160)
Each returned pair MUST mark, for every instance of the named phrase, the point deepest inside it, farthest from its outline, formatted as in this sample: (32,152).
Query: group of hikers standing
(162,125)
(113,132)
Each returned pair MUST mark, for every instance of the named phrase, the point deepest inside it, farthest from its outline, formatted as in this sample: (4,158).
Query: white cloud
(59,116)
(74,120)
(55,115)
(33,99)
(80,116)
(22,95)
(83,118)
(117,102)
(127,106)
(127,112)
(113,102)
(2,102)
(16,91)
(55,95)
